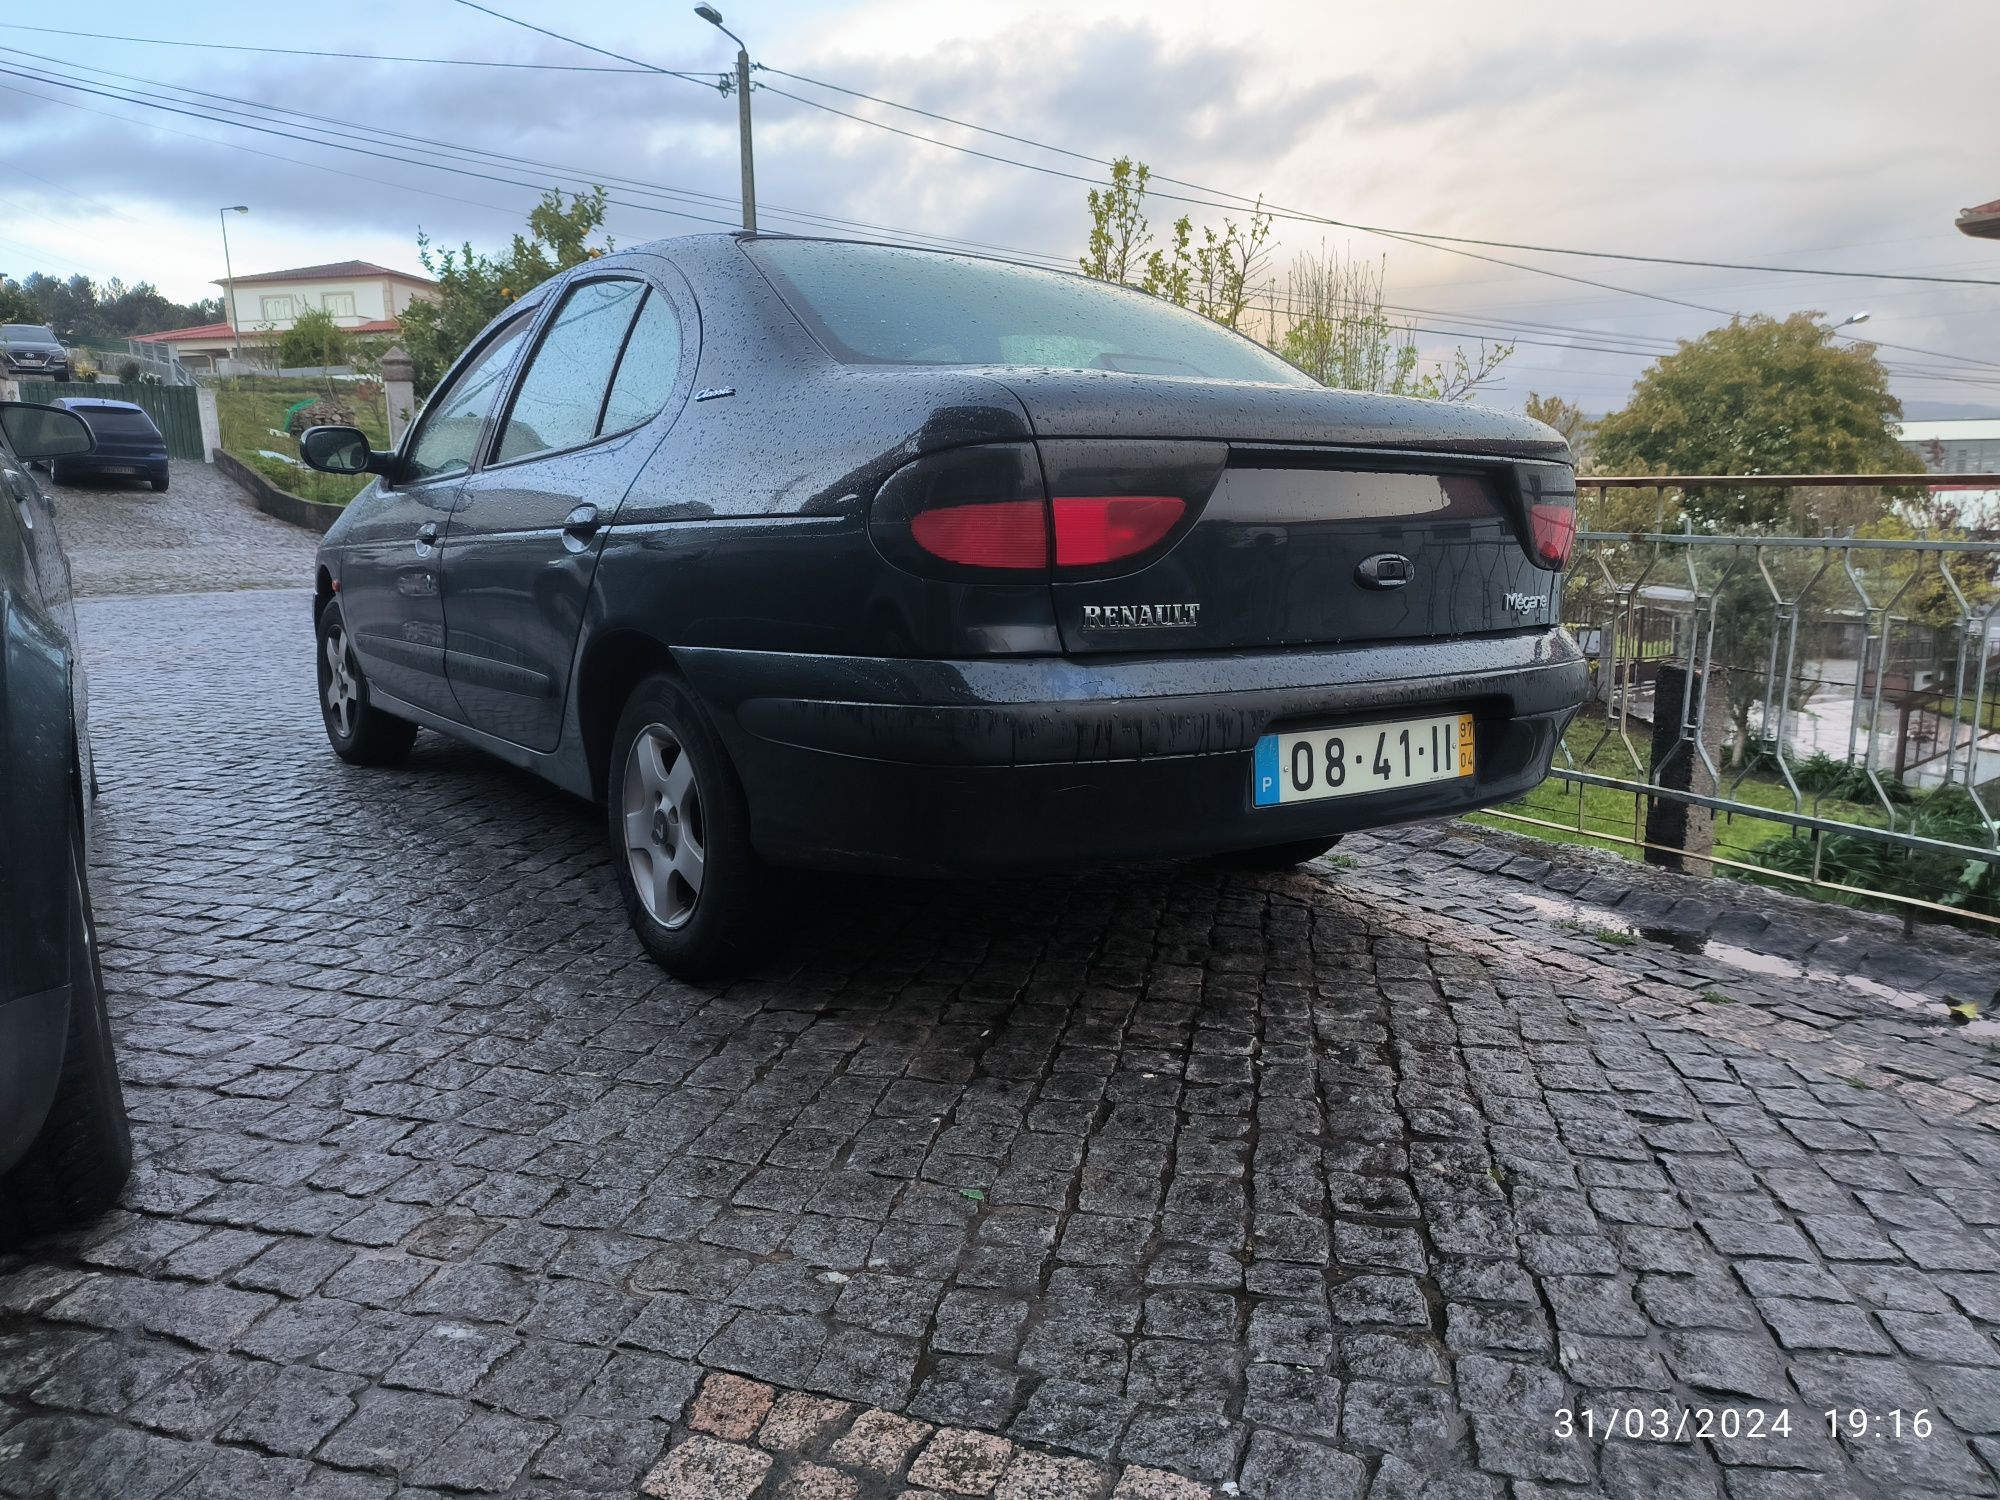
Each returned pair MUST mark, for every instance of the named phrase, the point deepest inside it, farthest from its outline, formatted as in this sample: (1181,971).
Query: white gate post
(211,422)
(399,392)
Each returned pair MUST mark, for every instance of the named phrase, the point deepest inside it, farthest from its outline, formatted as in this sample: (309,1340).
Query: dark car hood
(45,346)
(1108,403)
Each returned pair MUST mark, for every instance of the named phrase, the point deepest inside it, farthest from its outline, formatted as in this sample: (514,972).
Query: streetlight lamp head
(709,14)
(1860,317)
(237,208)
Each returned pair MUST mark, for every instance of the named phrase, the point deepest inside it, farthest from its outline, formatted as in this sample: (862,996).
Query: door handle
(427,534)
(579,526)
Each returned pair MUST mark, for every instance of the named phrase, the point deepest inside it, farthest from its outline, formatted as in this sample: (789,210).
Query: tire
(159,483)
(58,474)
(78,1162)
(359,732)
(1275,856)
(679,826)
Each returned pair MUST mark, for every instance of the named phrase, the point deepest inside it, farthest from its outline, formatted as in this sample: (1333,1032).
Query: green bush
(1952,879)
(1821,775)
(307,484)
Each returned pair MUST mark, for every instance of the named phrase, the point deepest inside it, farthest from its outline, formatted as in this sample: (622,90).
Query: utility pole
(229,278)
(714,18)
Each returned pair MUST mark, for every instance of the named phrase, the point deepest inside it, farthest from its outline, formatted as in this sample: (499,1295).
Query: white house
(360,296)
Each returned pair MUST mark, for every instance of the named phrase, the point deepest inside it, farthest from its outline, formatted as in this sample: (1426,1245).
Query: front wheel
(1275,856)
(680,835)
(359,732)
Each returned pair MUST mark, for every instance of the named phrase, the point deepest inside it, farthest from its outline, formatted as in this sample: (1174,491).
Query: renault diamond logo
(1138,616)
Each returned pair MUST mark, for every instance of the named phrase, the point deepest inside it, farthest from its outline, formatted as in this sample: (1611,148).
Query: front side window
(562,393)
(457,414)
(884,304)
(337,304)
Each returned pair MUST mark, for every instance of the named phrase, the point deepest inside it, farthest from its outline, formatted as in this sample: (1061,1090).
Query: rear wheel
(359,732)
(1275,856)
(680,835)
(78,1162)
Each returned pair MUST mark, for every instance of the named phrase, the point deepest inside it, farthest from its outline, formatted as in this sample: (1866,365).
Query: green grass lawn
(251,410)
(1607,812)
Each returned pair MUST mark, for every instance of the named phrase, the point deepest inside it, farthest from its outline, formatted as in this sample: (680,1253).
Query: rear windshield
(881,304)
(122,424)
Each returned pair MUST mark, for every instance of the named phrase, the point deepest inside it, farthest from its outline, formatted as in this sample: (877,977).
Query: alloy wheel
(664,838)
(343,693)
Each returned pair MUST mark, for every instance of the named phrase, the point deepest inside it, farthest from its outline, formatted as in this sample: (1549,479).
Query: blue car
(127,442)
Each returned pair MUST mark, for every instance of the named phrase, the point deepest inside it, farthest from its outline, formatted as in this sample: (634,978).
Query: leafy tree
(473,289)
(1212,276)
(313,339)
(1119,233)
(1568,419)
(81,311)
(1340,334)
(1759,395)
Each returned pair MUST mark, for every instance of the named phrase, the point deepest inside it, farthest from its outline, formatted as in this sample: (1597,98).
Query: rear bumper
(1005,763)
(150,465)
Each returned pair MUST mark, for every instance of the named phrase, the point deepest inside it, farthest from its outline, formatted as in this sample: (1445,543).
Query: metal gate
(172,407)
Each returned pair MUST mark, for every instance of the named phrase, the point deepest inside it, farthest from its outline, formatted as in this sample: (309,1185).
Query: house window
(337,304)
(276,309)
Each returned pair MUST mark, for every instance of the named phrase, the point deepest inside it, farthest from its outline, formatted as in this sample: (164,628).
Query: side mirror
(340,450)
(43,431)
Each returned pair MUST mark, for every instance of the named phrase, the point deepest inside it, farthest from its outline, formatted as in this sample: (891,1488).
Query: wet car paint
(740,548)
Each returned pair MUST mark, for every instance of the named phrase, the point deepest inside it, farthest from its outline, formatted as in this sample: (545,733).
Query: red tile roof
(184,335)
(203,332)
(333,270)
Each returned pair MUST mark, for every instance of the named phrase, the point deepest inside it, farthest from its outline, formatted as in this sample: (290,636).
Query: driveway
(1377,1180)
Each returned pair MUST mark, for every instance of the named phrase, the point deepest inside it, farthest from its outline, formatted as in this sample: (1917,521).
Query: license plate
(1310,764)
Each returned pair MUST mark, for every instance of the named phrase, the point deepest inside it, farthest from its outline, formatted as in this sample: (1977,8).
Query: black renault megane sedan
(856,556)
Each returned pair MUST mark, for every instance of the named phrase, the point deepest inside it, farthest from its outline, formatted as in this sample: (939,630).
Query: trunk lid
(1317,517)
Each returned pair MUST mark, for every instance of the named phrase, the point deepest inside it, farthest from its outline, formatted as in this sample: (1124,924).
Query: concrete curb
(313,515)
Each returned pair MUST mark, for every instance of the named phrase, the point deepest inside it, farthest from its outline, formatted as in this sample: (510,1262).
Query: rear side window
(120,424)
(562,393)
(882,304)
(647,371)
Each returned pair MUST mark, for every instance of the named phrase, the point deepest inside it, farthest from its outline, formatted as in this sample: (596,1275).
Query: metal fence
(1820,711)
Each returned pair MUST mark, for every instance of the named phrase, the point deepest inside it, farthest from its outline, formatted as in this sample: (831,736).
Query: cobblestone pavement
(1370,1180)
(201,535)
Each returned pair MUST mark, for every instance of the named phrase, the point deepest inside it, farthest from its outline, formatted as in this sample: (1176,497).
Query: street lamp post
(1849,322)
(229,277)
(714,18)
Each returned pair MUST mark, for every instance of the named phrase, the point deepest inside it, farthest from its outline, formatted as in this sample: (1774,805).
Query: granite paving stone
(1370,1178)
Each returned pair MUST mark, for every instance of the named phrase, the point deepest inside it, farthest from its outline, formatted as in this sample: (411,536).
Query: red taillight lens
(1552,528)
(1093,529)
(998,534)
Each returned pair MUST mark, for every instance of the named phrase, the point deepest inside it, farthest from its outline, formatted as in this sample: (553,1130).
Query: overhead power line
(645,67)
(449,62)
(1421,234)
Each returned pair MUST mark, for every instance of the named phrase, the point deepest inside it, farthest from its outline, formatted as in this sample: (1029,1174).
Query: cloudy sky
(1787,132)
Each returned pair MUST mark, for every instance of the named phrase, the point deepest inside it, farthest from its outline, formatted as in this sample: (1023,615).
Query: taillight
(983,509)
(1552,531)
(1095,529)
(995,534)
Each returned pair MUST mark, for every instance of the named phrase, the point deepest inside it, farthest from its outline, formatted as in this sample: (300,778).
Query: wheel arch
(614,663)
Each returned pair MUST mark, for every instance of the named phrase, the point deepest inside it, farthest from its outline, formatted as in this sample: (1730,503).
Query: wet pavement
(1369,1180)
